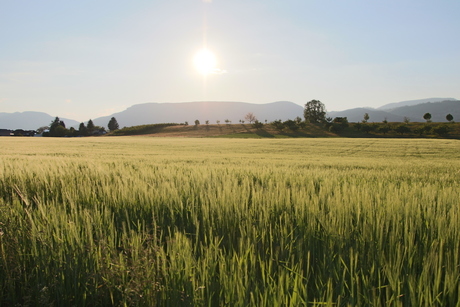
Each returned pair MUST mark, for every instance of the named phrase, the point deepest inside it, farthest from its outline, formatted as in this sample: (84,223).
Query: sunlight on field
(238,222)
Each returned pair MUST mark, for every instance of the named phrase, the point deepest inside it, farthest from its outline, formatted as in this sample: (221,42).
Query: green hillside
(371,130)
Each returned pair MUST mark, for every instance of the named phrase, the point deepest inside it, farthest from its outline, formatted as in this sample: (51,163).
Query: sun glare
(205,61)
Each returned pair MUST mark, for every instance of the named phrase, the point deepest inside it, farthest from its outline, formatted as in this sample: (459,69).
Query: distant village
(57,128)
(17,132)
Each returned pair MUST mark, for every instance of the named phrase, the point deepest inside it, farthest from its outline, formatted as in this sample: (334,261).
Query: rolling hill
(438,111)
(30,120)
(394,105)
(151,113)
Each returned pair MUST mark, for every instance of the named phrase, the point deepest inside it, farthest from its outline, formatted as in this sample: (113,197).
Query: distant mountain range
(30,120)
(151,113)
(408,103)
(413,109)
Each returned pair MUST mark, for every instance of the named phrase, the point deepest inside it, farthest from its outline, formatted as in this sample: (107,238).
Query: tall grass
(206,222)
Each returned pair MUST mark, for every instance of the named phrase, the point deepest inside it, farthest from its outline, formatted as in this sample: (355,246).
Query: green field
(140,221)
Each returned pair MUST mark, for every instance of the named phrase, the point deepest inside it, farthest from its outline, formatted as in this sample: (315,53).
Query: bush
(257,124)
(142,129)
(384,129)
(290,124)
(367,128)
(401,129)
(278,124)
(441,130)
(335,128)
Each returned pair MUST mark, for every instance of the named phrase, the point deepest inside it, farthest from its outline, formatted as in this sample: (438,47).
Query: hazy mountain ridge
(395,105)
(357,114)
(152,113)
(30,120)
(438,111)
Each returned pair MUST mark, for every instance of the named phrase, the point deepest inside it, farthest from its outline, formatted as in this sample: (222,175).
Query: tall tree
(90,127)
(315,112)
(57,127)
(366,117)
(82,129)
(55,122)
(90,124)
(113,124)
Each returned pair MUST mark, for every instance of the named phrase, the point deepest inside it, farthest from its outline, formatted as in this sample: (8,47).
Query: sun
(205,61)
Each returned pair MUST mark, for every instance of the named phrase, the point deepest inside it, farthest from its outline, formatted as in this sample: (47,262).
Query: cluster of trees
(315,112)
(402,129)
(290,124)
(57,128)
(337,124)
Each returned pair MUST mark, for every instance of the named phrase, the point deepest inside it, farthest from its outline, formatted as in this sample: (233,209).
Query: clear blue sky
(84,59)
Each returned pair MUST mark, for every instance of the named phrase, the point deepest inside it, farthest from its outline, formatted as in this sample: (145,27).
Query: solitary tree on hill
(315,112)
(250,117)
(427,117)
(449,117)
(366,117)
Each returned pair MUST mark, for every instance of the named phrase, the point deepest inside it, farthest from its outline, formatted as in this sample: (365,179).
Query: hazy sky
(84,59)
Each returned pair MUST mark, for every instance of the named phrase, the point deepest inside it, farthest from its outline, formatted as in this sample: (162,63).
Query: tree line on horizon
(57,128)
(314,112)
(404,128)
